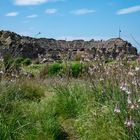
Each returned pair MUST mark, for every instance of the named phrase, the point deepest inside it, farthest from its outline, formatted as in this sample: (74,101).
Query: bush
(76,69)
(27,62)
(11,63)
(8,61)
(18,60)
(54,69)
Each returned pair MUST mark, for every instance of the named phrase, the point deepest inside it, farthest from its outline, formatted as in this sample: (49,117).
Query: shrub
(54,69)
(18,60)
(8,61)
(76,69)
(27,61)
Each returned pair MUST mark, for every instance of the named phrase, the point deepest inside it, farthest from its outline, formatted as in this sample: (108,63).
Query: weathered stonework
(51,49)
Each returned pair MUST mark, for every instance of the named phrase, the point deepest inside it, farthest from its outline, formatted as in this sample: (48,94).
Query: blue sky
(72,19)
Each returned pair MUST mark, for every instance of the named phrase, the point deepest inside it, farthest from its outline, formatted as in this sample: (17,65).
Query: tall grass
(101,104)
(25,115)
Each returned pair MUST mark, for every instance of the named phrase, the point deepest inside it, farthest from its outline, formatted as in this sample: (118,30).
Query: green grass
(81,108)
(34,68)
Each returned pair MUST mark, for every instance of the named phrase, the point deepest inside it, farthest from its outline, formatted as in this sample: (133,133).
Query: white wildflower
(123,87)
(129,100)
(1,72)
(117,109)
(101,79)
(137,68)
(134,106)
(91,71)
(130,73)
(134,82)
(128,92)
(129,122)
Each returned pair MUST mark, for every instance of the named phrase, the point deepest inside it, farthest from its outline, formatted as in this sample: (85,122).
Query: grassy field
(72,101)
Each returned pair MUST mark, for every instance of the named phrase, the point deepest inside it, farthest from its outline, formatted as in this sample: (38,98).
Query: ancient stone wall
(52,49)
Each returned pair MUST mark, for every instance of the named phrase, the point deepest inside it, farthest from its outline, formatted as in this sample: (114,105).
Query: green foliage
(43,72)
(21,90)
(18,60)
(97,122)
(91,119)
(70,100)
(67,102)
(54,69)
(8,61)
(23,117)
(11,63)
(34,68)
(76,69)
(73,69)
(82,109)
(27,62)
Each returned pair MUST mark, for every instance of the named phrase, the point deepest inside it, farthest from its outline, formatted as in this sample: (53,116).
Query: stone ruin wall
(51,50)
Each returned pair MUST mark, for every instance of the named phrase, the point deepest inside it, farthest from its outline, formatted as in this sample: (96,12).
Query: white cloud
(129,10)
(32,2)
(12,14)
(51,11)
(29,2)
(83,11)
(32,16)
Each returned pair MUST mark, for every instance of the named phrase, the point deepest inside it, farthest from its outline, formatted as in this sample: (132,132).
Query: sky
(73,19)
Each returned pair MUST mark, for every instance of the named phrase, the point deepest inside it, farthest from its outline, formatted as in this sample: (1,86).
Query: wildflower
(117,109)
(87,60)
(128,92)
(133,106)
(101,79)
(134,82)
(129,101)
(137,68)
(16,76)
(81,62)
(1,72)
(123,87)
(130,73)
(91,71)
(11,80)
(129,122)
